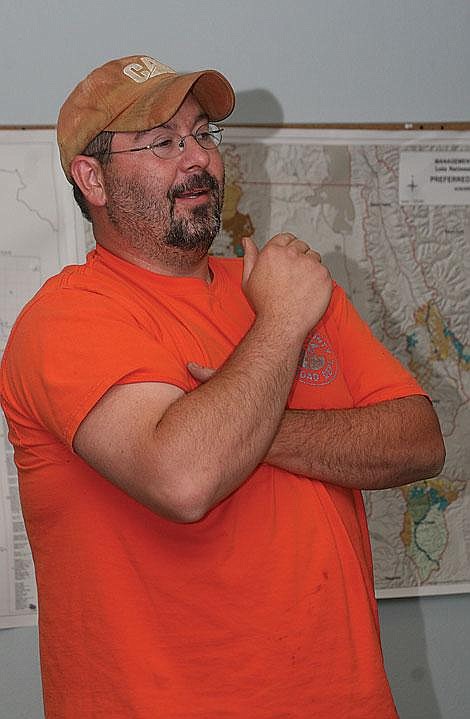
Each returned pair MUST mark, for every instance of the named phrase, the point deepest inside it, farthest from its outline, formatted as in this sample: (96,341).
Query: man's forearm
(383,445)
(212,438)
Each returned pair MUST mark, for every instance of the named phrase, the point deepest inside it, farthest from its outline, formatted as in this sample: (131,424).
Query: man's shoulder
(76,292)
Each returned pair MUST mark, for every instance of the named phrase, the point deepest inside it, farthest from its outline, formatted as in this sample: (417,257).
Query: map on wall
(390,214)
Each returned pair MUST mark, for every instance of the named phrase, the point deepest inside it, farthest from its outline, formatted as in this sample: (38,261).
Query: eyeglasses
(168,144)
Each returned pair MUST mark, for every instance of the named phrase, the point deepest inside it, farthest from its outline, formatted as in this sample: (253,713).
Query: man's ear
(88,174)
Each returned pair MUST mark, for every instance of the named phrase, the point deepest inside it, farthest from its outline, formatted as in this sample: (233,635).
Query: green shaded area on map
(425,532)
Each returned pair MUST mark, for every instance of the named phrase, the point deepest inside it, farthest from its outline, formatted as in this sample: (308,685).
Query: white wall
(313,61)
(321,60)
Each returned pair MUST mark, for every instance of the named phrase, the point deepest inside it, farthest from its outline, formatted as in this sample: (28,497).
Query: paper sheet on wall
(41,232)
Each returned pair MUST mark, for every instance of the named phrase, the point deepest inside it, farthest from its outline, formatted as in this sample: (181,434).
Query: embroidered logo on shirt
(317,364)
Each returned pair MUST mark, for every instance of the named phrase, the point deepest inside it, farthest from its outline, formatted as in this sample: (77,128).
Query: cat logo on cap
(149,68)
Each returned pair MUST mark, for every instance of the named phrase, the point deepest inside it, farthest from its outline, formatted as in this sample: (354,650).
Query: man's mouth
(192,194)
(198,187)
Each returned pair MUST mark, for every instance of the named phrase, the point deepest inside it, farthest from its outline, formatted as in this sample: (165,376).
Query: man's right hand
(286,284)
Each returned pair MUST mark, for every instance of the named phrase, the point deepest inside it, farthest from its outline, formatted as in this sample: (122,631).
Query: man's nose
(192,154)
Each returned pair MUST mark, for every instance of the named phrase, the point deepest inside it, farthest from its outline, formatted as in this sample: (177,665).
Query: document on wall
(41,232)
(435,178)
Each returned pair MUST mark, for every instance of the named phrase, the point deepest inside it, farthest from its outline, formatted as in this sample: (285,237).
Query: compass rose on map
(412,185)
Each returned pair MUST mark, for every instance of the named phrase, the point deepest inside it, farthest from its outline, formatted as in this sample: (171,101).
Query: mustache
(201,181)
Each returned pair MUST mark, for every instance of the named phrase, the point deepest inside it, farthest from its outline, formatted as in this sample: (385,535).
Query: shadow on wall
(405,652)
(257,106)
(253,106)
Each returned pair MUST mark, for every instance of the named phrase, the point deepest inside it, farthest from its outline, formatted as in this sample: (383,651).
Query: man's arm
(181,454)
(384,445)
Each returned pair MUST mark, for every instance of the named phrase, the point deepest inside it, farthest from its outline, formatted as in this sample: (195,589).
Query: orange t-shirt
(263,609)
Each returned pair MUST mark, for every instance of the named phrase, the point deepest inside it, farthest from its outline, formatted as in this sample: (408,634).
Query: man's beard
(148,220)
(199,229)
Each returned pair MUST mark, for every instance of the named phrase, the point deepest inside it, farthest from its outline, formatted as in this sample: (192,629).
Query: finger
(249,259)
(288,239)
(313,253)
(202,374)
(283,238)
(299,246)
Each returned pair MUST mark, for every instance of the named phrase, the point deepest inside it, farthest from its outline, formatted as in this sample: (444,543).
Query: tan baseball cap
(132,94)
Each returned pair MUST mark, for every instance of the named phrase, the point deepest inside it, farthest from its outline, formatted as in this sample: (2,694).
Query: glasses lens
(209,136)
(165,146)
(169,144)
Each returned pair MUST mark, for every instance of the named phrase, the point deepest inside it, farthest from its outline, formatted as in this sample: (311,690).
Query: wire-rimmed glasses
(167,144)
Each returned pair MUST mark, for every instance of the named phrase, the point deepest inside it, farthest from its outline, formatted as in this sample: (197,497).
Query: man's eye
(163,142)
(204,131)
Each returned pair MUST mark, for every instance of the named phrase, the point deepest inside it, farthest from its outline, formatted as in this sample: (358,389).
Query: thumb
(201,374)
(249,259)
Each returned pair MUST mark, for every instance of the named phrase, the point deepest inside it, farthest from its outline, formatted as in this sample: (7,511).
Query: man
(199,536)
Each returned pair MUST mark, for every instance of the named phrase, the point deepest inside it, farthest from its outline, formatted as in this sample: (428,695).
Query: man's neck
(175,263)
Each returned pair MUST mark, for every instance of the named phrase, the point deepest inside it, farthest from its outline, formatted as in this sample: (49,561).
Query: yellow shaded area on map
(446,345)
(235,223)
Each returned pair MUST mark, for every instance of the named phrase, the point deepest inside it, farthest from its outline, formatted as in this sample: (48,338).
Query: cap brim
(162,99)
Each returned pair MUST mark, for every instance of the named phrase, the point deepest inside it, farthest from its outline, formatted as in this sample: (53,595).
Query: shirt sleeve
(371,372)
(68,348)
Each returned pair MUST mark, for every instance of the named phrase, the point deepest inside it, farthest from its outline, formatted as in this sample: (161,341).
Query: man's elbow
(428,448)
(421,457)
(178,507)
(435,456)
(182,499)
(426,457)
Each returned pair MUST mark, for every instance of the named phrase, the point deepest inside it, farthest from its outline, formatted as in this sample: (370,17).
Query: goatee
(199,229)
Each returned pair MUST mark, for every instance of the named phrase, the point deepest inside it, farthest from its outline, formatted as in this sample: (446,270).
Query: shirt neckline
(170,283)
